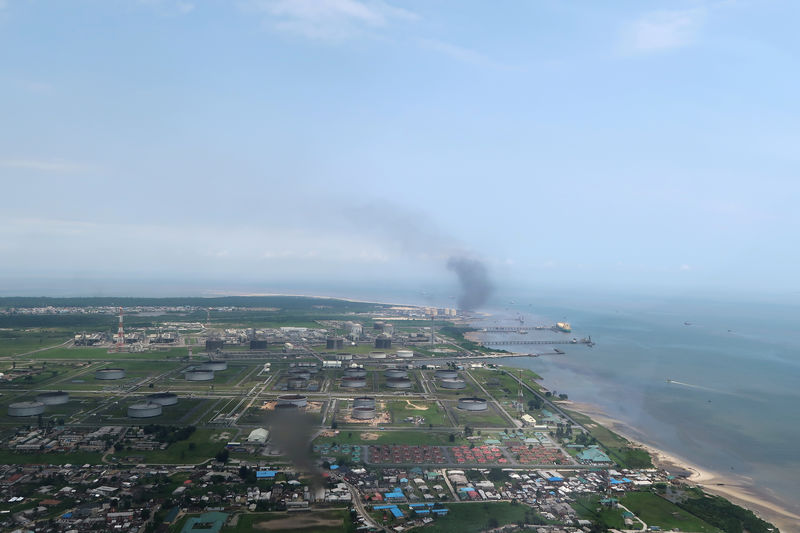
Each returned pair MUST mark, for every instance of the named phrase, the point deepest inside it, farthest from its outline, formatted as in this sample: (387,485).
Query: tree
(493,523)
(222,456)
(452,438)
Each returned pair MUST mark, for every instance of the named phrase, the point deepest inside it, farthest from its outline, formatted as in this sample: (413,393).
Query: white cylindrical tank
(53,398)
(363,413)
(446,374)
(377,355)
(295,399)
(110,373)
(355,373)
(398,383)
(473,404)
(295,383)
(395,373)
(216,366)
(364,401)
(199,375)
(353,382)
(25,409)
(405,354)
(452,383)
(163,398)
(144,410)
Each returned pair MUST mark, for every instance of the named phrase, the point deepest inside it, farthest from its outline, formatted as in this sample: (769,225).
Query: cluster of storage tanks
(363,408)
(37,407)
(449,379)
(299,377)
(153,405)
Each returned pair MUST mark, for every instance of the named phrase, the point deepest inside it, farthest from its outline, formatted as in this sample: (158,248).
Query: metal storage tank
(395,373)
(214,365)
(446,374)
(144,410)
(25,409)
(377,355)
(355,373)
(296,383)
(109,373)
(53,398)
(258,345)
(163,398)
(301,373)
(295,399)
(383,341)
(452,383)
(473,404)
(214,344)
(344,357)
(405,354)
(334,343)
(398,383)
(353,382)
(199,375)
(364,401)
(363,413)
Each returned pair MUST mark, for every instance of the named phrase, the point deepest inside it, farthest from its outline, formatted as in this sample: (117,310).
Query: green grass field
(656,511)
(202,445)
(346,436)
(433,414)
(328,521)
(589,508)
(75,458)
(479,516)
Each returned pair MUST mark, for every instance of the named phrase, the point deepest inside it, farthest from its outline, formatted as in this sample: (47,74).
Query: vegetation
(466,518)
(725,515)
(657,511)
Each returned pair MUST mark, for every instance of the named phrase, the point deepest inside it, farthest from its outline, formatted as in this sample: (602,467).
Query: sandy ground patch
(416,407)
(369,436)
(298,521)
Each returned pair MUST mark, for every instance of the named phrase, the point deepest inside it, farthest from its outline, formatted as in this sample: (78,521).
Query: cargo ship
(563,326)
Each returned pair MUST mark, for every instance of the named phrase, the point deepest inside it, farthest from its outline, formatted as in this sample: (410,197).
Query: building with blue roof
(262,474)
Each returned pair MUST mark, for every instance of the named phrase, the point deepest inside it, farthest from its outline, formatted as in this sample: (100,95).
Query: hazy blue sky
(566,143)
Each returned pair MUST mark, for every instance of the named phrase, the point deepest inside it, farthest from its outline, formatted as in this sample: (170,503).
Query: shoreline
(733,488)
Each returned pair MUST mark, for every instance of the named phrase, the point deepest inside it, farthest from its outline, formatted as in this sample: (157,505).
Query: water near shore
(732,405)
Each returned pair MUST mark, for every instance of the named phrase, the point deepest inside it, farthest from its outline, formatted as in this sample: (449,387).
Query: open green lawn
(431,411)
(488,418)
(328,521)
(202,445)
(589,508)
(478,516)
(656,511)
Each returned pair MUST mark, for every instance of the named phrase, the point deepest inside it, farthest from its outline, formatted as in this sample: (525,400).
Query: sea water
(732,403)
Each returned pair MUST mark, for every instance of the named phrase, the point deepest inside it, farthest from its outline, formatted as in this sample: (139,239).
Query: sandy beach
(738,489)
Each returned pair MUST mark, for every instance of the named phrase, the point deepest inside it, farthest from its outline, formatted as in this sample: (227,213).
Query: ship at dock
(563,326)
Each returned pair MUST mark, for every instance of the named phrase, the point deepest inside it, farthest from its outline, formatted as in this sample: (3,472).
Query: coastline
(733,488)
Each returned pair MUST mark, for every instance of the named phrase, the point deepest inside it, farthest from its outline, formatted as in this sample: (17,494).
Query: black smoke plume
(473,278)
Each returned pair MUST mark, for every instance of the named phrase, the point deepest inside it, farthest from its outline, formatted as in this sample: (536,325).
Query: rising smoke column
(473,278)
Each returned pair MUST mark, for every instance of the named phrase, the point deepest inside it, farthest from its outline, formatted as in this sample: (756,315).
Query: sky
(627,144)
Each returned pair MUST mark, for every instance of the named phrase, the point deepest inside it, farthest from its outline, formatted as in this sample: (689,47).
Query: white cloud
(664,30)
(685,268)
(328,19)
(168,7)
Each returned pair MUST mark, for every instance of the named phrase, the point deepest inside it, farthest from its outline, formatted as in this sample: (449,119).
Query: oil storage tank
(363,413)
(334,343)
(163,398)
(452,383)
(405,354)
(355,373)
(354,382)
(299,373)
(398,383)
(199,375)
(395,373)
(109,373)
(446,374)
(297,400)
(25,409)
(473,404)
(296,383)
(364,401)
(144,410)
(216,366)
(53,398)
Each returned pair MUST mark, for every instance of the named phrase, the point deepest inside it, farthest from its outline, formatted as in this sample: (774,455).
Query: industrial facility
(144,410)
(110,373)
(354,382)
(473,404)
(163,398)
(199,375)
(53,398)
(25,409)
(216,366)
(295,399)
